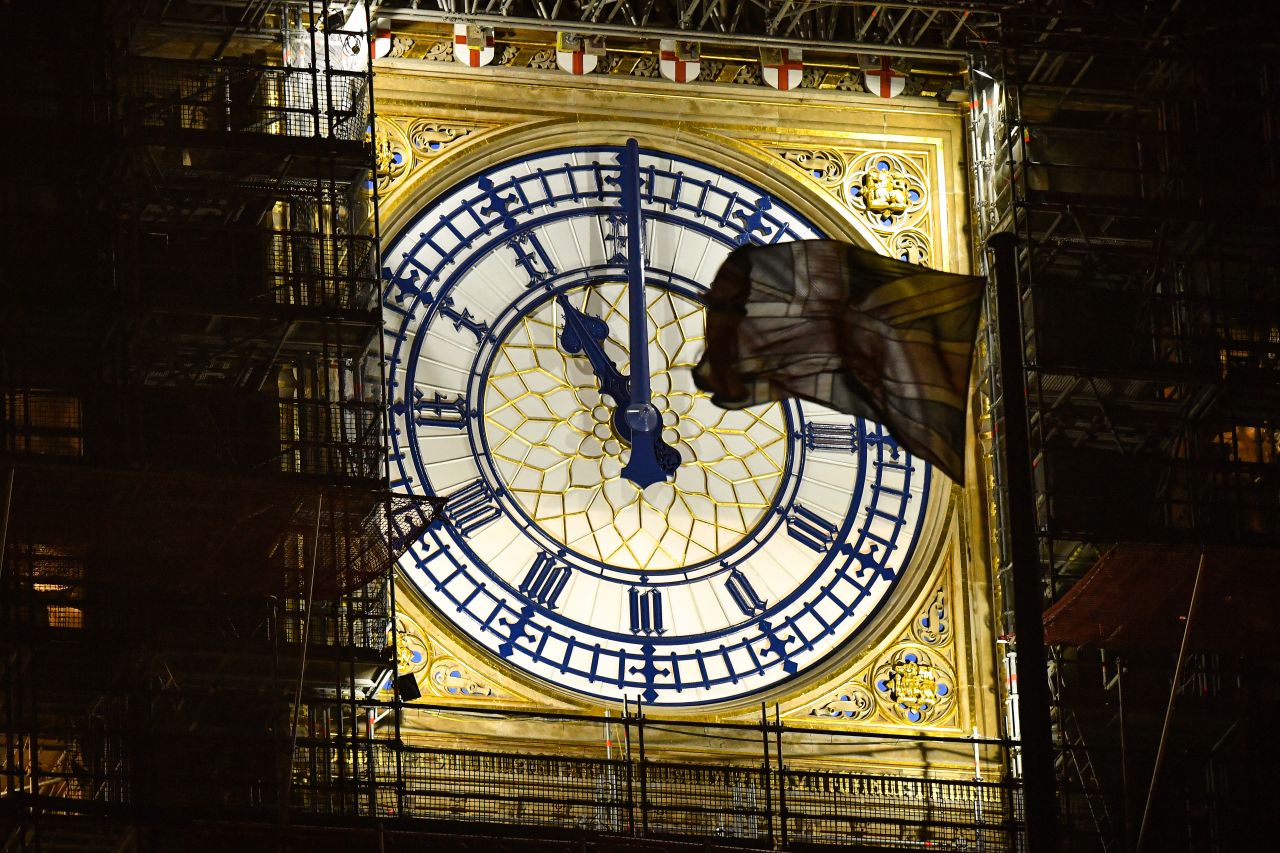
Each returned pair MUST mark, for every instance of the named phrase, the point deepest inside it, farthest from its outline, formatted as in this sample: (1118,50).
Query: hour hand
(585,335)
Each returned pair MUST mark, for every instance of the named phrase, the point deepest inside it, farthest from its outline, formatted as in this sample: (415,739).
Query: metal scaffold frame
(196,539)
(197,557)
(1117,229)
(211,639)
(1149,351)
(924,29)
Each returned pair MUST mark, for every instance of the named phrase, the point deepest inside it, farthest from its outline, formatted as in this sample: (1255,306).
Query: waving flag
(864,334)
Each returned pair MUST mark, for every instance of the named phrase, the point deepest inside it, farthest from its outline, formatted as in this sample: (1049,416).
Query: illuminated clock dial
(754,546)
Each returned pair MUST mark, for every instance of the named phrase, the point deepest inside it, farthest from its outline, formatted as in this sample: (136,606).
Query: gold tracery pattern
(551,439)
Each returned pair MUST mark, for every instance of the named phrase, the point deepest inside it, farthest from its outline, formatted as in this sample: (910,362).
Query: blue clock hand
(584,334)
(652,459)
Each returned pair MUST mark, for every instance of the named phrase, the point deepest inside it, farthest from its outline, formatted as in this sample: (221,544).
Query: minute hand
(652,459)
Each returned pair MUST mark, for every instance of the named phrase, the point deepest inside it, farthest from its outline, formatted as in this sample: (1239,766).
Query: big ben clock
(609,531)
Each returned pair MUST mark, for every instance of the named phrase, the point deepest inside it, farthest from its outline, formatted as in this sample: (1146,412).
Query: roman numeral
(462,319)
(406,523)
(743,593)
(439,411)
(532,256)
(615,239)
(471,507)
(834,438)
(544,581)
(646,611)
(810,529)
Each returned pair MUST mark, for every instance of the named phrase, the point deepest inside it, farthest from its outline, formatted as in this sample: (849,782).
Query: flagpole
(1038,777)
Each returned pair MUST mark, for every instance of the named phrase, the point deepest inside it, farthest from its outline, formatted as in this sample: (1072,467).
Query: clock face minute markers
(527,309)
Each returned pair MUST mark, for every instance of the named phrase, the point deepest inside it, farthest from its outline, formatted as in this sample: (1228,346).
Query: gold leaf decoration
(429,138)
(824,165)
(911,246)
(391,153)
(915,687)
(413,650)
(888,190)
(851,703)
(932,625)
(441,51)
(450,678)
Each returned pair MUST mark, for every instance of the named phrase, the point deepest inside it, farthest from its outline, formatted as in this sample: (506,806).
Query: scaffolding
(197,534)
(196,569)
(198,545)
(1150,331)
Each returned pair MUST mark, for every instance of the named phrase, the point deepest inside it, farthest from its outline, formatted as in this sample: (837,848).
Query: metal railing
(239,98)
(634,792)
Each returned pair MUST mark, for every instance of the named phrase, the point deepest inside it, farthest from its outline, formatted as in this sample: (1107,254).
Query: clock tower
(548,238)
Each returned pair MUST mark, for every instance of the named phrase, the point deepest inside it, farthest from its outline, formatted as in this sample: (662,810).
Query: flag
(864,334)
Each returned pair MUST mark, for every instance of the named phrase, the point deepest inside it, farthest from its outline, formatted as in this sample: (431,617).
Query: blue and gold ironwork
(511,305)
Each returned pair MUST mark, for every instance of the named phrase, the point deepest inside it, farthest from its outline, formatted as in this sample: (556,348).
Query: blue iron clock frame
(747,551)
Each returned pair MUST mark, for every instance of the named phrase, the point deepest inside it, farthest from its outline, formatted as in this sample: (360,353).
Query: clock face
(783,528)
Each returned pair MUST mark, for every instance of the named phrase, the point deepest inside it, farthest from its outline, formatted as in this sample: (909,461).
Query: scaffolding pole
(1173,699)
(1033,680)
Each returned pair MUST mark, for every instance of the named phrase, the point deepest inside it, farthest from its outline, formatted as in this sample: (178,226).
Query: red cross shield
(674,68)
(472,45)
(381,37)
(572,54)
(782,69)
(882,77)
